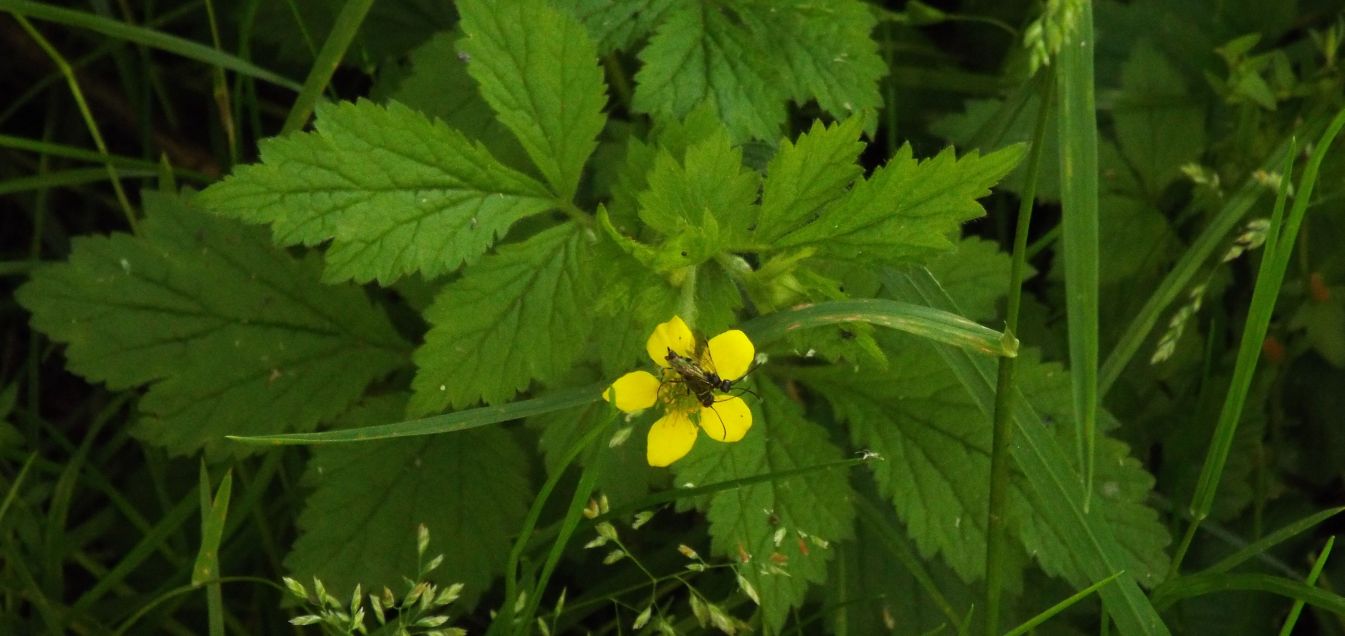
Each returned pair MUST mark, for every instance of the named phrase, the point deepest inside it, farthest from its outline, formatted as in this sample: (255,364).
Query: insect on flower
(693,385)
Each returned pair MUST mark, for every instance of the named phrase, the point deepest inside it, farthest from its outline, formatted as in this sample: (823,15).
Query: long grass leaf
(446,423)
(1274,263)
(939,326)
(343,32)
(1317,566)
(1202,584)
(1079,200)
(141,35)
(1050,612)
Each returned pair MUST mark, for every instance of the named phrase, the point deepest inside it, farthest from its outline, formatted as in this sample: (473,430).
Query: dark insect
(701,382)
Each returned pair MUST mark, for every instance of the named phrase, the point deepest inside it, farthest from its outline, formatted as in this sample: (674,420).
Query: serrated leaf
(517,316)
(806,175)
(977,275)
(702,202)
(394,193)
(748,58)
(935,443)
(616,25)
(234,336)
(1154,104)
(700,54)
(470,489)
(828,52)
(745,521)
(539,70)
(993,123)
(438,85)
(905,210)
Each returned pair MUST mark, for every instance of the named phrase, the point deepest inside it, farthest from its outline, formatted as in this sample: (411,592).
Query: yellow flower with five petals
(726,357)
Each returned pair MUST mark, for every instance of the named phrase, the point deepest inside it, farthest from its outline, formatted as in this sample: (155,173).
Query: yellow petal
(727,420)
(673,335)
(635,391)
(731,354)
(670,439)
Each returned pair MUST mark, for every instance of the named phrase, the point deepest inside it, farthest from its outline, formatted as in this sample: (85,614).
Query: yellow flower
(690,389)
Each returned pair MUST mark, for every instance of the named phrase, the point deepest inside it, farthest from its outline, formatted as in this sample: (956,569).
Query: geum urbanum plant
(692,375)
(538,267)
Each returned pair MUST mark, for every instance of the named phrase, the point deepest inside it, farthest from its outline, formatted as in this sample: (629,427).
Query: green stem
(530,524)
(69,73)
(1002,436)
(333,50)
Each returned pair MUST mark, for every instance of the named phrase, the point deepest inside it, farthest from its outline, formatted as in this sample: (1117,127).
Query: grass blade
(927,322)
(1317,566)
(89,123)
(206,570)
(1274,263)
(1050,612)
(1202,584)
(1271,540)
(333,51)
(435,424)
(140,35)
(1079,229)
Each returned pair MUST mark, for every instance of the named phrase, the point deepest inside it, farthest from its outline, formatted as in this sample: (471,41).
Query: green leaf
(1159,124)
(234,335)
(517,316)
(615,25)
(700,54)
(803,513)
(905,210)
(936,447)
(976,274)
(806,175)
(827,51)
(394,192)
(359,524)
(624,476)
(437,84)
(539,70)
(749,57)
(700,203)
(993,123)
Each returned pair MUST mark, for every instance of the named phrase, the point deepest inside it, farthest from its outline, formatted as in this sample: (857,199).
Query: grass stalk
(996,544)
(68,72)
(1297,609)
(343,32)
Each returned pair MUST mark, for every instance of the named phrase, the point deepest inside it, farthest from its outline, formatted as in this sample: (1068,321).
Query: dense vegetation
(598,316)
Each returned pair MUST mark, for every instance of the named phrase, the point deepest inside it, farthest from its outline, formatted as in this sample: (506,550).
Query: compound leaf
(517,316)
(394,192)
(538,69)
(235,336)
